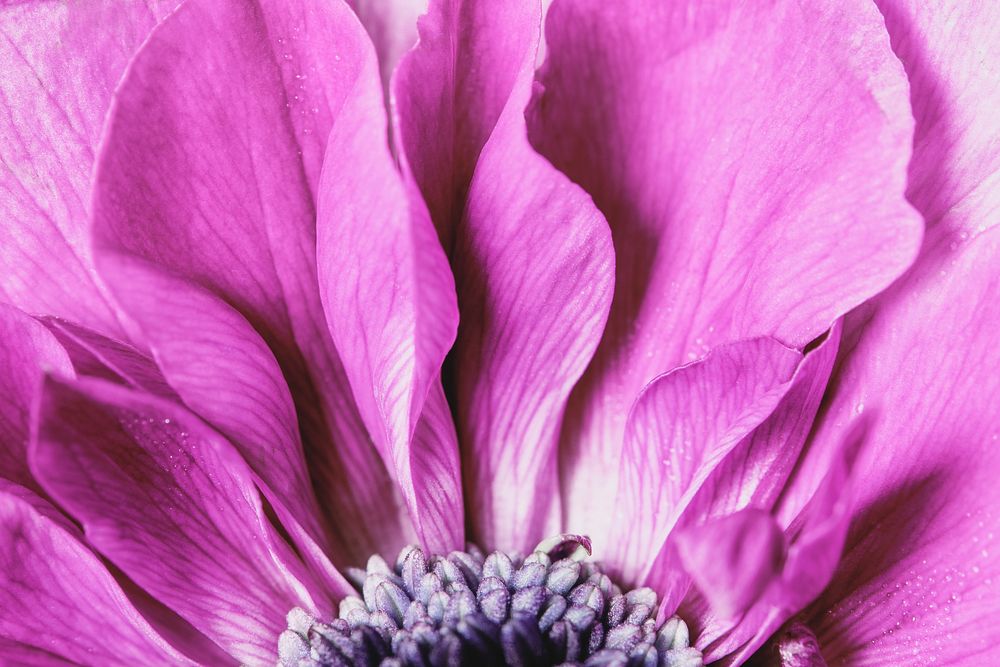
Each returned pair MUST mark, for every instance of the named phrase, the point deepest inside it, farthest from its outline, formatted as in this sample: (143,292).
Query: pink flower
(716,287)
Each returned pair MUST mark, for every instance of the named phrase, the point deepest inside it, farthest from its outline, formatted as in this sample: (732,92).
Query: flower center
(468,608)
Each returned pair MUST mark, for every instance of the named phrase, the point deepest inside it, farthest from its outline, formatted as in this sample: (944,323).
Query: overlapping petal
(682,427)
(27,351)
(750,158)
(919,577)
(172,504)
(390,302)
(61,62)
(204,229)
(532,257)
(60,604)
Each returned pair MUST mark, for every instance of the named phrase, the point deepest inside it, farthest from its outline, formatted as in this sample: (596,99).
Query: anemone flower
(677,351)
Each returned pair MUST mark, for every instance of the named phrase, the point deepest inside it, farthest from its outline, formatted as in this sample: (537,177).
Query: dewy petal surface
(58,598)
(532,257)
(683,426)
(204,230)
(170,502)
(750,159)
(390,302)
(919,579)
(61,62)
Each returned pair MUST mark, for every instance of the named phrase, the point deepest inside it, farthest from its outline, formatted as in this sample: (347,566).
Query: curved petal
(389,298)
(61,62)
(922,562)
(59,602)
(815,539)
(170,502)
(392,25)
(681,427)
(750,159)
(205,233)
(532,258)
(27,350)
(734,559)
(95,355)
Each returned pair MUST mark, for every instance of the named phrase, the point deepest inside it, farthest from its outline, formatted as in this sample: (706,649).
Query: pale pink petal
(204,231)
(61,62)
(60,605)
(532,258)
(392,25)
(27,350)
(681,428)
(390,303)
(171,503)
(750,158)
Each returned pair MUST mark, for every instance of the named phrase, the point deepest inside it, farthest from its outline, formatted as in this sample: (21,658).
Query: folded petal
(390,303)
(750,159)
(96,355)
(60,605)
(205,233)
(918,579)
(61,62)
(680,429)
(532,258)
(733,559)
(815,539)
(27,350)
(170,502)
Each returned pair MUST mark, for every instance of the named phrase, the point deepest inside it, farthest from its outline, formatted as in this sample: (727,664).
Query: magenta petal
(206,236)
(922,564)
(733,559)
(815,539)
(96,355)
(532,258)
(60,67)
(169,501)
(389,298)
(60,605)
(743,202)
(681,427)
(27,350)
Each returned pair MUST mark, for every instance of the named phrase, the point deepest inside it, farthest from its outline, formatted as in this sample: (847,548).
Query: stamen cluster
(467,608)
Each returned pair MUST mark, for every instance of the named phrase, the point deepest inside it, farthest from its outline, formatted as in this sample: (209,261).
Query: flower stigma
(468,608)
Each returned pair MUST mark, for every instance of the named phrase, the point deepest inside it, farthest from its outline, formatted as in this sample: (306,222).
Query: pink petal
(60,67)
(681,427)
(922,562)
(27,350)
(169,501)
(389,298)
(733,559)
(750,159)
(532,258)
(205,232)
(60,605)
(815,539)
(758,471)
(95,355)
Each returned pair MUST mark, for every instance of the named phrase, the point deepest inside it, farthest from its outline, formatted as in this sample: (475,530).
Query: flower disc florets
(467,608)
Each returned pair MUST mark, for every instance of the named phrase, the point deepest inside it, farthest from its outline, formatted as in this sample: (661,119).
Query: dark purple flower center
(468,608)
